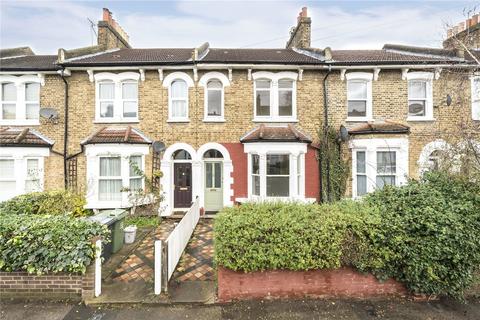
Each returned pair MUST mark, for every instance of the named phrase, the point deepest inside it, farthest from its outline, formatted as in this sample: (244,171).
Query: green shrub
(254,237)
(143,221)
(47,243)
(48,202)
(429,237)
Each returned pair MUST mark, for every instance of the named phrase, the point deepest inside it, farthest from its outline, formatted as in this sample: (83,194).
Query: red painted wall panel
(240,170)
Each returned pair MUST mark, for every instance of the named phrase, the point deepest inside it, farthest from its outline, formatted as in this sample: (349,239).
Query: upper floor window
(420,100)
(19,100)
(359,96)
(214,84)
(275,96)
(178,84)
(117,97)
(476,98)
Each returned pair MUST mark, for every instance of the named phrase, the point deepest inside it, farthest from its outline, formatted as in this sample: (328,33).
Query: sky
(46,26)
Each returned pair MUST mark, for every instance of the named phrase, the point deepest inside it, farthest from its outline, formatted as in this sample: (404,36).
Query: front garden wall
(48,286)
(327,283)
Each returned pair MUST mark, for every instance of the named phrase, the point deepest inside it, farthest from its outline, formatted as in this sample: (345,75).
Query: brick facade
(48,286)
(344,282)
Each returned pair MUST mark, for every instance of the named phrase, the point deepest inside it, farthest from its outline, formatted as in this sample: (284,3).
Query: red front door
(182,194)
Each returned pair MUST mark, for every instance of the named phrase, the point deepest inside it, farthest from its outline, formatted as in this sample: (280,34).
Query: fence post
(157,255)
(164,269)
(98,267)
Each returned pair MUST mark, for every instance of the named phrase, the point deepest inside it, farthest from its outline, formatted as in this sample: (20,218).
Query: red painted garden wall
(344,282)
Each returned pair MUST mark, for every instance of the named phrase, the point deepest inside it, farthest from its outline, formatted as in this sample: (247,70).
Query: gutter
(65,130)
(325,130)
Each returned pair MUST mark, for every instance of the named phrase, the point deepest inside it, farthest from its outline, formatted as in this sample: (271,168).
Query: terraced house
(237,124)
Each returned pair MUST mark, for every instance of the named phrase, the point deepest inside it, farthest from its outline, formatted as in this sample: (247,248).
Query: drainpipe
(65,131)
(325,145)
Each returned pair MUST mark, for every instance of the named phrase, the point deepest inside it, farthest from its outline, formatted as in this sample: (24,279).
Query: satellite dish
(158,146)
(343,134)
(48,113)
(449,100)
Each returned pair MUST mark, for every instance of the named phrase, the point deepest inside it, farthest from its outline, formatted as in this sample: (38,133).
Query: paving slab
(191,292)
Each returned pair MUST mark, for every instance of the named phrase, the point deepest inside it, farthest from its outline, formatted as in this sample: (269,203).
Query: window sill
(219,119)
(278,119)
(419,119)
(135,120)
(178,121)
(359,119)
(34,122)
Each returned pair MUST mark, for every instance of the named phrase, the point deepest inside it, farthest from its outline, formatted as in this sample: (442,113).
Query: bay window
(275,96)
(420,100)
(359,96)
(116,97)
(8,183)
(110,179)
(19,100)
(278,175)
(377,163)
(136,169)
(32,180)
(255,174)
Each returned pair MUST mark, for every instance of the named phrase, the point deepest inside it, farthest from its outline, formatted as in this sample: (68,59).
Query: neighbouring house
(238,124)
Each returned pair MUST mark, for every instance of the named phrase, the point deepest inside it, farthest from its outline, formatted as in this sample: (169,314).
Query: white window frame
(20,156)
(274,101)
(367,78)
(371,146)
(204,83)
(427,77)
(93,153)
(475,100)
(142,167)
(20,103)
(40,173)
(296,152)
(167,82)
(109,178)
(355,169)
(118,79)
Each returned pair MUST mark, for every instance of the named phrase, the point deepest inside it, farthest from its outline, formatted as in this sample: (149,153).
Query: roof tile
(127,135)
(271,133)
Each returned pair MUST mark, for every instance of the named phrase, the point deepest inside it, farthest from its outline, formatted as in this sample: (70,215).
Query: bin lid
(109,216)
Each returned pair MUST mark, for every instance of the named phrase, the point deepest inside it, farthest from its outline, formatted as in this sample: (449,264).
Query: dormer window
(19,100)
(359,96)
(275,96)
(117,97)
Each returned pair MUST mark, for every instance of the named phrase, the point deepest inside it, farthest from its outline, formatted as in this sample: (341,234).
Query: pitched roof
(386,127)
(276,133)
(184,55)
(15,52)
(29,63)
(22,137)
(127,135)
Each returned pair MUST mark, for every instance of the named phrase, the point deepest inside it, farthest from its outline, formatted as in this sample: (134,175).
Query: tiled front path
(196,262)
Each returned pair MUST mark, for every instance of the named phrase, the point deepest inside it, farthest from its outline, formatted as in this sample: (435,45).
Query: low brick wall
(48,286)
(344,282)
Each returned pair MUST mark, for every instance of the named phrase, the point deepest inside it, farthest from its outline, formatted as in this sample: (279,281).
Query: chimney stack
(300,36)
(110,34)
(466,32)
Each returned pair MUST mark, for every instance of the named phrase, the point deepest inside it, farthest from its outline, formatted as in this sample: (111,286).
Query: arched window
(212,154)
(181,155)
(9,101)
(214,98)
(179,100)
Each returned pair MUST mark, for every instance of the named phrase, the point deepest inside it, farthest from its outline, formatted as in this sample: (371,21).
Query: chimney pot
(304,12)
(107,15)
(474,19)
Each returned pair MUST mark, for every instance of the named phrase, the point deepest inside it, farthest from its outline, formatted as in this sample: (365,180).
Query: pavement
(291,309)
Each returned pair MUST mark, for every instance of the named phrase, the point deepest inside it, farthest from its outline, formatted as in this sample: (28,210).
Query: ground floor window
(276,170)
(21,171)
(377,163)
(113,172)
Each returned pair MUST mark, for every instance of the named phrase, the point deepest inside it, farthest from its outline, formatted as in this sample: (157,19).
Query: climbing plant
(333,168)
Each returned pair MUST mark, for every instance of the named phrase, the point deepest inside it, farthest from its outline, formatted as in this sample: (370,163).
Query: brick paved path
(196,262)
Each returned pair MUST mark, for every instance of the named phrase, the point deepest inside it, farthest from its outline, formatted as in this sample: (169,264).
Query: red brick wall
(312,177)
(240,169)
(53,286)
(344,282)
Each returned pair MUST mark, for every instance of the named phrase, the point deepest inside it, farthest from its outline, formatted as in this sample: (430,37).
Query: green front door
(213,186)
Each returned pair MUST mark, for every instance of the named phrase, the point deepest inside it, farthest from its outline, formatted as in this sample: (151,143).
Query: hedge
(47,243)
(47,202)
(425,234)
